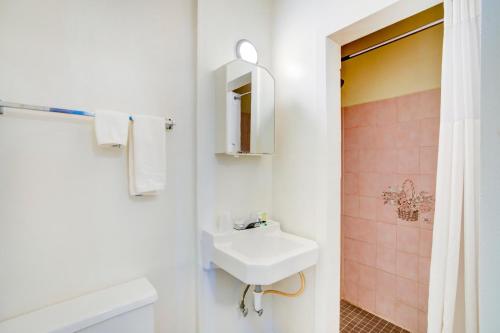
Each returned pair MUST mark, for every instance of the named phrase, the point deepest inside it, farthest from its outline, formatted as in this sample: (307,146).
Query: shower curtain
(453,289)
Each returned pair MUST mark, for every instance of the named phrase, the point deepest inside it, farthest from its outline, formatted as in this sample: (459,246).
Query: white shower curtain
(453,289)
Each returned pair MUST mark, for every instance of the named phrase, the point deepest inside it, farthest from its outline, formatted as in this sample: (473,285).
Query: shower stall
(390,131)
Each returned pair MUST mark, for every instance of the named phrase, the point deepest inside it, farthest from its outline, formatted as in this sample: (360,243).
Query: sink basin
(259,256)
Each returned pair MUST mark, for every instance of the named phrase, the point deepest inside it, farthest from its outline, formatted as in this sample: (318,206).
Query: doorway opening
(390,125)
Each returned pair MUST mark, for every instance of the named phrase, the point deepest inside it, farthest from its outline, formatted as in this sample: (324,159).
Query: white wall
(306,166)
(67,223)
(489,228)
(224,183)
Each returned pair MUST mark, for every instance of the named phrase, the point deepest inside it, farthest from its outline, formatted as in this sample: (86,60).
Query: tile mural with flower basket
(409,204)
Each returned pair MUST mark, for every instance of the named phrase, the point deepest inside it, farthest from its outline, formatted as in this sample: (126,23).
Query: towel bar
(169,122)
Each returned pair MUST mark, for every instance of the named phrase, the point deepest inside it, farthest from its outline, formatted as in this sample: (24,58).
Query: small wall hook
(169,124)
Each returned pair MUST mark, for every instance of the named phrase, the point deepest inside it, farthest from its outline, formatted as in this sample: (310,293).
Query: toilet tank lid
(84,311)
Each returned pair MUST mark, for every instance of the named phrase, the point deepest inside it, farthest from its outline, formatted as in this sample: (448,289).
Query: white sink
(259,256)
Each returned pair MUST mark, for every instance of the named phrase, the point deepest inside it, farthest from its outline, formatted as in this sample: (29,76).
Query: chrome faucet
(247,225)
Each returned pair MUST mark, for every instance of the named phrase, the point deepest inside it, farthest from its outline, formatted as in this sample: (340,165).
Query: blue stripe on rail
(68,111)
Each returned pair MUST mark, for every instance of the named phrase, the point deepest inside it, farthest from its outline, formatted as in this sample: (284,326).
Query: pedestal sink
(259,256)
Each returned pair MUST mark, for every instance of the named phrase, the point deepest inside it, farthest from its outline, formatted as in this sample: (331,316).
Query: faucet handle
(240,225)
(247,225)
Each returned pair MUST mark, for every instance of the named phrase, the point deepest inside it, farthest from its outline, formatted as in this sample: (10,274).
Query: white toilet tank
(126,308)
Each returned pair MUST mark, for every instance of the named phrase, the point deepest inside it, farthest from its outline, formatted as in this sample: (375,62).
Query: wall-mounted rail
(169,122)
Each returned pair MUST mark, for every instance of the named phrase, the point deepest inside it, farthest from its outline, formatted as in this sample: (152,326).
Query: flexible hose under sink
(285,294)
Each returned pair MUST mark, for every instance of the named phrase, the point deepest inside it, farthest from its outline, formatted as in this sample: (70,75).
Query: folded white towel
(111,128)
(146,155)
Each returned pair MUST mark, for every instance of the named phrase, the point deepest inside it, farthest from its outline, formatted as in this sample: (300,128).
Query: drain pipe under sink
(258,293)
(257,300)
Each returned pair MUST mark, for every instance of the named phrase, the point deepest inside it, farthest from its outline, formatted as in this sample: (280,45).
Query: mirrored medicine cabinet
(245,109)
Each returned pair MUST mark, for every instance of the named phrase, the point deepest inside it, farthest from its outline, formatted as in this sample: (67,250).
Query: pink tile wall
(385,261)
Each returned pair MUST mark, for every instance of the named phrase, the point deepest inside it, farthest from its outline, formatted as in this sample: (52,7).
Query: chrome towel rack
(169,122)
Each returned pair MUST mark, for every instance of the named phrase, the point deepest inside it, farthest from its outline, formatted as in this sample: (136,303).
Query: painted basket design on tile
(408,214)
(409,204)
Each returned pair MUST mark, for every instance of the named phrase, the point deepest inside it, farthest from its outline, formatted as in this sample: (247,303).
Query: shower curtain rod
(169,122)
(392,40)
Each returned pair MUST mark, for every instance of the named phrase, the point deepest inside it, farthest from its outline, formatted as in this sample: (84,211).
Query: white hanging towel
(146,155)
(111,128)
